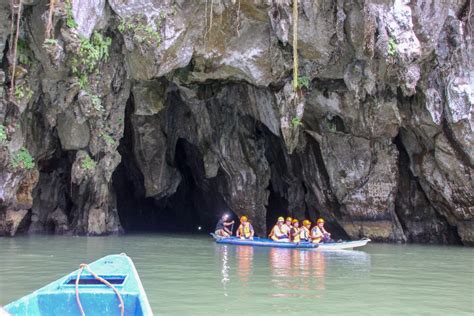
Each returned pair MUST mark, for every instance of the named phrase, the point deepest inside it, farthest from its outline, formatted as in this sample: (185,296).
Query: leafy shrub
(22,52)
(3,133)
(295,122)
(107,138)
(392,47)
(97,102)
(91,52)
(22,91)
(88,163)
(22,160)
(49,42)
(303,81)
(138,27)
(70,22)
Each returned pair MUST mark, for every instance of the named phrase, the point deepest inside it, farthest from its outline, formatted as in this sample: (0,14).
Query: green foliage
(22,160)
(392,47)
(295,122)
(22,92)
(49,42)
(22,53)
(96,102)
(138,28)
(88,163)
(91,52)
(107,138)
(82,81)
(303,81)
(3,133)
(70,22)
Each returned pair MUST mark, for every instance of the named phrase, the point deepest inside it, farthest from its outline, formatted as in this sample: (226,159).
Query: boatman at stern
(222,226)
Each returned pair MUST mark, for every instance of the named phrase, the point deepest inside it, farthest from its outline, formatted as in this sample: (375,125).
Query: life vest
(245,231)
(285,229)
(277,233)
(295,234)
(304,233)
(316,232)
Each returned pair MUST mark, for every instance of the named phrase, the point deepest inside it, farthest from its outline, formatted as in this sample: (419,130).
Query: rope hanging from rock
(49,25)
(18,7)
(295,45)
(83,266)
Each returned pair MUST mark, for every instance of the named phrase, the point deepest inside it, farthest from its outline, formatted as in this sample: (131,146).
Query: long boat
(265,242)
(88,294)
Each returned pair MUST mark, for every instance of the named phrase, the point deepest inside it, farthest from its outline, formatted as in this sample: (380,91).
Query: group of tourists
(285,230)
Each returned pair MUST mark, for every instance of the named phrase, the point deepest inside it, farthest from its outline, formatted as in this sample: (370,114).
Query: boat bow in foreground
(96,298)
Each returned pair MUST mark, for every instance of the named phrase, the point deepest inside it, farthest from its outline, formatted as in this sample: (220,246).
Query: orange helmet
(289,219)
(294,221)
(320,220)
(306,222)
(244,218)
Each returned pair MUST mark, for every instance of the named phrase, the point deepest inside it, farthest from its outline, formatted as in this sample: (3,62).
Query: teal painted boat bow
(59,297)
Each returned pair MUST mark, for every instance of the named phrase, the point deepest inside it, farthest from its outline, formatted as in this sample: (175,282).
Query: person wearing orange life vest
(245,230)
(319,233)
(305,233)
(277,233)
(295,231)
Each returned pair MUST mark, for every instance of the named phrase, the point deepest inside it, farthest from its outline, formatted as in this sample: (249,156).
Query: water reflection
(225,268)
(244,255)
(291,272)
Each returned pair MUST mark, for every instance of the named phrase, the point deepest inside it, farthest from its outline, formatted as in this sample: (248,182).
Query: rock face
(145,112)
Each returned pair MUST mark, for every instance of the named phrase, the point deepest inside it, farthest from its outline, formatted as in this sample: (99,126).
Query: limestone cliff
(129,111)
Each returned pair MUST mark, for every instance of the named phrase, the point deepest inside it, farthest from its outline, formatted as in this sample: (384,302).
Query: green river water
(191,275)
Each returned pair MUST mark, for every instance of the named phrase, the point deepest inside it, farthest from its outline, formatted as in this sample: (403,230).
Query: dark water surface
(191,275)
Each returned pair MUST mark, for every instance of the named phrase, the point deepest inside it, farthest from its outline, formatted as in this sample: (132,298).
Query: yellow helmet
(244,218)
(294,221)
(289,219)
(306,222)
(320,220)
(281,219)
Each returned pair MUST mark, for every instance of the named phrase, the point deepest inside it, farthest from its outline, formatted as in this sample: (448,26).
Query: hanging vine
(238,18)
(49,25)
(295,45)
(15,6)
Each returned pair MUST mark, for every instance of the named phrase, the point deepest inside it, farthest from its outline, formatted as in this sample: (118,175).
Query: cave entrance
(277,206)
(194,207)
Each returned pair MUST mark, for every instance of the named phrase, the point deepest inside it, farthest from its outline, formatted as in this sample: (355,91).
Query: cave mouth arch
(194,207)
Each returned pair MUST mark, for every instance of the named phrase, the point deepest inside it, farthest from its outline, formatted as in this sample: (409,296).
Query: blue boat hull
(263,242)
(59,297)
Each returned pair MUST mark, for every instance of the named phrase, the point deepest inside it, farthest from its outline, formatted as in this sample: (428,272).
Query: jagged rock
(72,135)
(193,114)
(96,224)
(87,14)
(12,220)
(58,219)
